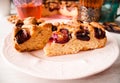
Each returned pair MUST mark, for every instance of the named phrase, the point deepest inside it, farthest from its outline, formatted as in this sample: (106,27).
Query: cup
(5,8)
(28,8)
(89,10)
(109,10)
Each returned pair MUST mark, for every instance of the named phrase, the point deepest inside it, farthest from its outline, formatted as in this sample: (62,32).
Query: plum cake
(69,39)
(31,34)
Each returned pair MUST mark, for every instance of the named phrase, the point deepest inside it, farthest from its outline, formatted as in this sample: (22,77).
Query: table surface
(11,75)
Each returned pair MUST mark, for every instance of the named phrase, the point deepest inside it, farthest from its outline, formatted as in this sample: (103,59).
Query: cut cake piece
(70,39)
(31,34)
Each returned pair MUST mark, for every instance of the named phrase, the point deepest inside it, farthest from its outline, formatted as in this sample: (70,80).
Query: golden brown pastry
(70,39)
(31,34)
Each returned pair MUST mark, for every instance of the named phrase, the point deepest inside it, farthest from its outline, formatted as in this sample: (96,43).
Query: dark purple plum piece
(22,36)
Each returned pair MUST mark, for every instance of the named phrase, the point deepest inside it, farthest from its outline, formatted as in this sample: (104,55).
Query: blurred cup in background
(89,10)
(28,8)
(5,6)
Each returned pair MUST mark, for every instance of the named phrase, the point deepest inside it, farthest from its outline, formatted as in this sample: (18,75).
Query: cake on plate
(70,39)
(58,38)
(31,34)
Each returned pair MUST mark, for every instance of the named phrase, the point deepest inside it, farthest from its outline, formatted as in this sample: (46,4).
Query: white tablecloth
(10,75)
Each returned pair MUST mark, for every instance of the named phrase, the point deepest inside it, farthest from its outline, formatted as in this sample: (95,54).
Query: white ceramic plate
(64,67)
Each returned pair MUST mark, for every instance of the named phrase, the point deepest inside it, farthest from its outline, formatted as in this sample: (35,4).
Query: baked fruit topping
(60,37)
(83,35)
(19,23)
(99,33)
(54,28)
(22,36)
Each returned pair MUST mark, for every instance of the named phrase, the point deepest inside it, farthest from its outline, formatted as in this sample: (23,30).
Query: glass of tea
(28,8)
(89,10)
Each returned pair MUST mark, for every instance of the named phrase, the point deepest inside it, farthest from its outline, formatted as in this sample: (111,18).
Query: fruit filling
(83,34)
(54,28)
(61,36)
(99,33)
(22,36)
(19,23)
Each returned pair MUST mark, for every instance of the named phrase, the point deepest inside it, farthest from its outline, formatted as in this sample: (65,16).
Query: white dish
(64,67)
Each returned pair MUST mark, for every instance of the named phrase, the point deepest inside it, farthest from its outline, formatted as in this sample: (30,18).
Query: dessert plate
(72,66)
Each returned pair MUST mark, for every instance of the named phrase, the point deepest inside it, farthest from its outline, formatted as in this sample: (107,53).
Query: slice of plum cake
(70,39)
(31,34)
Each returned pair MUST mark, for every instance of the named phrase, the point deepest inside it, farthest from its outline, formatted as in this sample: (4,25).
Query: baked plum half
(83,34)
(22,36)
(99,33)
(62,36)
